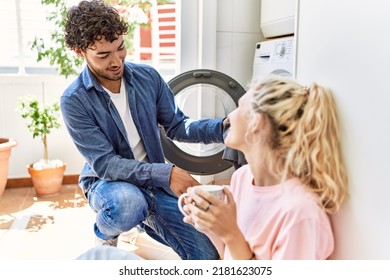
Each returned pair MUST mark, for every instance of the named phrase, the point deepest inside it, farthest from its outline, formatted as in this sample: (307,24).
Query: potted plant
(6,144)
(46,174)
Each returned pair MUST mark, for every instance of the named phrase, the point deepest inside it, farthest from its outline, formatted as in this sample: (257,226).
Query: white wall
(220,35)
(345,45)
(238,31)
(12,125)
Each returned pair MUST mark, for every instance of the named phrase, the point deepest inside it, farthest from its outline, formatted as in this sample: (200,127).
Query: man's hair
(91,21)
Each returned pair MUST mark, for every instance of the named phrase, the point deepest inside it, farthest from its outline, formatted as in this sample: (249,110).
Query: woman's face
(239,119)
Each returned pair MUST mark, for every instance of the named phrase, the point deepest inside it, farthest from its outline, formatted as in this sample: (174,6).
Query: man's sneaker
(132,235)
(108,242)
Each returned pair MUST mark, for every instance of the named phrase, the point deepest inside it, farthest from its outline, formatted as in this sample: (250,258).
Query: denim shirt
(99,134)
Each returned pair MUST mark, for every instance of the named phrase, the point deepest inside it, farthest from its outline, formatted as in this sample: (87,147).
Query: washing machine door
(201,93)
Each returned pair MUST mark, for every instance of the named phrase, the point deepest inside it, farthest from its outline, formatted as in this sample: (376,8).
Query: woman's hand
(214,215)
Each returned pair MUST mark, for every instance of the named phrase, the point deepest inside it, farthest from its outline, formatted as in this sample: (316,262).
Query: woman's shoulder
(241,173)
(299,200)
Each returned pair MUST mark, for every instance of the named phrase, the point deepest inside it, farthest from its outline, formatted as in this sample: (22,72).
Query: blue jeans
(108,253)
(120,206)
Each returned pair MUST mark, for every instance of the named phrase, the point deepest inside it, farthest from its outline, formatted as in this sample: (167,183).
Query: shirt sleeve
(305,240)
(103,161)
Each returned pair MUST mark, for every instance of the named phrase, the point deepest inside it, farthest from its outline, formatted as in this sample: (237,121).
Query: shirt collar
(90,81)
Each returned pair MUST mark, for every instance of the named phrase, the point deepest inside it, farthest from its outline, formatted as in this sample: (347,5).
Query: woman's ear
(258,122)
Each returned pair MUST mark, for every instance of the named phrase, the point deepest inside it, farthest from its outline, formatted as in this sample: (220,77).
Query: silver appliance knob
(281,49)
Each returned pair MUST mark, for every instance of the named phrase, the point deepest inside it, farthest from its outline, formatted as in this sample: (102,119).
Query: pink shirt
(282,221)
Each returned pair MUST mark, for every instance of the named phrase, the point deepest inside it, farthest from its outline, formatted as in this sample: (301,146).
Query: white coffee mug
(216,190)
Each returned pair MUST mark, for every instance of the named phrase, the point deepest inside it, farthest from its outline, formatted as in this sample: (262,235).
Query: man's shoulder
(138,66)
(140,69)
(75,87)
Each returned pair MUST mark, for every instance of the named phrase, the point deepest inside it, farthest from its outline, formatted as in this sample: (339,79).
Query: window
(158,43)
(20,22)
(23,20)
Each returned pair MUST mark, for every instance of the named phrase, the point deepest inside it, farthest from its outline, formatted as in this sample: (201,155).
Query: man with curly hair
(112,112)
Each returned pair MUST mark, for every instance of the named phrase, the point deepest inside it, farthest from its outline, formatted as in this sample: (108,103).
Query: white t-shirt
(121,103)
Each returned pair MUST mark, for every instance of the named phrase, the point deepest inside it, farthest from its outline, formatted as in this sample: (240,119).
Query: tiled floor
(57,228)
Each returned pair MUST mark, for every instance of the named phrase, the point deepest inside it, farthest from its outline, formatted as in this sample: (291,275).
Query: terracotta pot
(47,182)
(5,151)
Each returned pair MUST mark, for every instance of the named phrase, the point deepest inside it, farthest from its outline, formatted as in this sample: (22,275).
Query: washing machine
(202,93)
(275,56)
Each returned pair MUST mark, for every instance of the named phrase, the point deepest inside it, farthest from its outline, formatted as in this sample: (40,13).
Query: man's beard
(103,73)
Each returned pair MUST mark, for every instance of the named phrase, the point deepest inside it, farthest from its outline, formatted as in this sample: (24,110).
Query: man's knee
(129,209)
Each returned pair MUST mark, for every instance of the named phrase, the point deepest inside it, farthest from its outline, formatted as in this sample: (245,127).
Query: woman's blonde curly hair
(305,136)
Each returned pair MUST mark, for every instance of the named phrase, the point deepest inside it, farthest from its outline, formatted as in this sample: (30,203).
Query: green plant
(42,118)
(56,51)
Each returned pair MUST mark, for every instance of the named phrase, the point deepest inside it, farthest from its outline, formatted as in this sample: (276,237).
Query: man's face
(105,59)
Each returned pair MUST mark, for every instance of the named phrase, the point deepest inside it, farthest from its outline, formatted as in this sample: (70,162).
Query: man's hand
(226,123)
(225,126)
(181,180)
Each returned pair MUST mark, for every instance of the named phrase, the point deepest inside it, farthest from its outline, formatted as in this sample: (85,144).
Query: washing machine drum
(200,94)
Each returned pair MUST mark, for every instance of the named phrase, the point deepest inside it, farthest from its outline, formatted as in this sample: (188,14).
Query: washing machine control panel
(280,49)
(274,56)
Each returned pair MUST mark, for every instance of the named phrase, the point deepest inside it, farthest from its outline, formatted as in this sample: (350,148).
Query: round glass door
(201,94)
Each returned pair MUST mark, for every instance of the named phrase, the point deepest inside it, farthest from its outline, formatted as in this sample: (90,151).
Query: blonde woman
(278,205)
